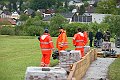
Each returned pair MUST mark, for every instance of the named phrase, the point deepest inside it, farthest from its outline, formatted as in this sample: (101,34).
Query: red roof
(12,22)
(1,19)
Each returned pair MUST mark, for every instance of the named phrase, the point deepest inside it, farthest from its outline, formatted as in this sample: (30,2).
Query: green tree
(26,5)
(24,17)
(14,6)
(71,7)
(106,7)
(58,4)
(38,15)
(72,28)
(55,23)
(41,4)
(62,9)
(114,24)
(66,3)
(81,10)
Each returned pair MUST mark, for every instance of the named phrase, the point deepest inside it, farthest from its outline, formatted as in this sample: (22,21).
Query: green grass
(19,52)
(114,70)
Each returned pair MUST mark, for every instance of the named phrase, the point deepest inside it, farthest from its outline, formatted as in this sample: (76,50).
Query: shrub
(72,28)
(7,30)
(35,30)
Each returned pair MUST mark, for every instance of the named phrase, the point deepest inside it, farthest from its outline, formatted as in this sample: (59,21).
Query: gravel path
(98,69)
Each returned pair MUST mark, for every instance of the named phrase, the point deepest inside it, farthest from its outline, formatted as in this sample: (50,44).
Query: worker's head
(60,29)
(79,30)
(46,31)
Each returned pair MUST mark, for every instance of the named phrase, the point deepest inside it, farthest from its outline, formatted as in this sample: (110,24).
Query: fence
(79,68)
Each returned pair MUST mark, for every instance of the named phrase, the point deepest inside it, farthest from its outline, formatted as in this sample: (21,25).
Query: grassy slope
(19,52)
(114,70)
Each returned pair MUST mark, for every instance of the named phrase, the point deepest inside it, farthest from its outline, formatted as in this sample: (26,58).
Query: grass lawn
(19,52)
(114,70)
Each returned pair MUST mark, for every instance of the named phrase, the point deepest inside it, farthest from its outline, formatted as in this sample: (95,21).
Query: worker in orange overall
(62,42)
(85,37)
(46,46)
(79,41)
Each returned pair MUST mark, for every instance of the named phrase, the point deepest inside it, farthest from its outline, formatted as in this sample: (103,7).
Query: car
(117,42)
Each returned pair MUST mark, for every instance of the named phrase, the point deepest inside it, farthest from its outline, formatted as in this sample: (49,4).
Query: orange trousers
(81,50)
(45,61)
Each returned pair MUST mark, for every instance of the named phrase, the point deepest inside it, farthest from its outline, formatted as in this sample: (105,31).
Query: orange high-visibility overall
(62,42)
(46,45)
(79,43)
(85,37)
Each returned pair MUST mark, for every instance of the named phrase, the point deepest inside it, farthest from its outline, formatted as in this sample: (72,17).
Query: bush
(35,30)
(7,30)
(20,30)
(72,28)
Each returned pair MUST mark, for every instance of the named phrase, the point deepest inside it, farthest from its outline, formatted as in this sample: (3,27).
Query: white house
(15,15)
(98,17)
(76,3)
(5,14)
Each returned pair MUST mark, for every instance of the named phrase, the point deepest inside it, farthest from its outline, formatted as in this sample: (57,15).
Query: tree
(58,4)
(72,7)
(62,9)
(13,3)
(106,7)
(24,17)
(114,22)
(38,15)
(72,28)
(55,23)
(66,4)
(41,4)
(81,10)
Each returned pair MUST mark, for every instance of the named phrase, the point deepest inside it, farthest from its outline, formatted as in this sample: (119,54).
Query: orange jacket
(62,42)
(78,39)
(85,37)
(79,43)
(46,43)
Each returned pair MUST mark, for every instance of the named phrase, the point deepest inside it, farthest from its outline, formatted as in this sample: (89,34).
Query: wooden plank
(80,67)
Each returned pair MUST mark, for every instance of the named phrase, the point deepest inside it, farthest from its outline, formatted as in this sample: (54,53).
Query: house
(68,16)
(76,3)
(15,15)
(5,14)
(98,17)
(47,18)
(90,9)
(1,11)
(41,11)
(91,2)
(1,6)
(4,7)
(48,12)
(29,12)
(7,22)
(74,10)
(85,18)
